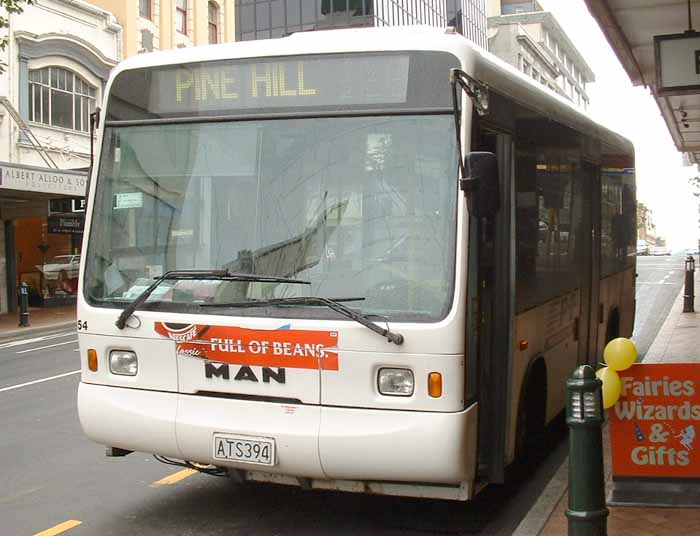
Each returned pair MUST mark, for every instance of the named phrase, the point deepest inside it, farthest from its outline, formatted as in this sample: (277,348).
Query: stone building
(56,65)
(532,40)
(163,24)
(646,228)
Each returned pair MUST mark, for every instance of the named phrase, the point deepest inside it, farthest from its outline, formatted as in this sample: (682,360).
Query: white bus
(361,260)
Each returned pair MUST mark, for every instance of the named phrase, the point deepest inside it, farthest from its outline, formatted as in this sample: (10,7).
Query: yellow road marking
(174,478)
(58,529)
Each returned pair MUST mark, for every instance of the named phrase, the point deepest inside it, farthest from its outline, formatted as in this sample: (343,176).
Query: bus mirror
(481,185)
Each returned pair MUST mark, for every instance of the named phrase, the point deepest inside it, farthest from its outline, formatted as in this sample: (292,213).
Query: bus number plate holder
(247,449)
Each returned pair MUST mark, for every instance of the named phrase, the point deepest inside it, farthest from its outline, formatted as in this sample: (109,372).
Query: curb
(535,520)
(47,328)
(657,348)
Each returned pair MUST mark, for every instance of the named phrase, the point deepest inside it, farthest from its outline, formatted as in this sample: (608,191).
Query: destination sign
(337,81)
(310,82)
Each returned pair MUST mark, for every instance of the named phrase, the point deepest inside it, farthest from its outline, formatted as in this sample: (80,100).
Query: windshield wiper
(333,304)
(198,275)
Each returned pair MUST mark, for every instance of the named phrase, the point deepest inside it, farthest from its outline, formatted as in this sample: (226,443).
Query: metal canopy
(630,27)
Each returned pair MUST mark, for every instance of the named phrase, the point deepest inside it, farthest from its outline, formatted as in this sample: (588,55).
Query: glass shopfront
(43,218)
(48,251)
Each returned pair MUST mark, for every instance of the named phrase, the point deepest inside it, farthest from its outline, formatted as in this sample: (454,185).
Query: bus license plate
(259,450)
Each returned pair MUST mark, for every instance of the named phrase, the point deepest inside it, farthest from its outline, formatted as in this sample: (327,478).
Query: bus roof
(476,61)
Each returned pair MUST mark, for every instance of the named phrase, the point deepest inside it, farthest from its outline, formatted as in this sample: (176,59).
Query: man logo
(244,373)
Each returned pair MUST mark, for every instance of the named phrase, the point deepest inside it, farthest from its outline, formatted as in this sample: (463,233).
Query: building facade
(150,25)
(646,229)
(56,65)
(530,39)
(265,19)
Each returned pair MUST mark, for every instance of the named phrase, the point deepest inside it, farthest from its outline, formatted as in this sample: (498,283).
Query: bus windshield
(359,206)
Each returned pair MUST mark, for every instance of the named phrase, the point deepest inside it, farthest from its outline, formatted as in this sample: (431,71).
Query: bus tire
(530,426)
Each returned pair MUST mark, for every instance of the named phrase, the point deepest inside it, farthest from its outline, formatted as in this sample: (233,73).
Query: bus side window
(548,210)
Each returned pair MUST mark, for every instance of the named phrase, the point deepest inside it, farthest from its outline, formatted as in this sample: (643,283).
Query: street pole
(689,292)
(587,512)
(23,305)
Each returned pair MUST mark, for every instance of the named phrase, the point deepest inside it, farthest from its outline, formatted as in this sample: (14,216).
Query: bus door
(589,186)
(491,305)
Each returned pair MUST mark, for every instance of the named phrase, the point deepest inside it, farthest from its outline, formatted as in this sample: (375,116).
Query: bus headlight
(395,381)
(123,362)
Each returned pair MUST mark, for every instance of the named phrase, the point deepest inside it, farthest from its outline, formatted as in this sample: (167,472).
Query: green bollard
(587,513)
(24,305)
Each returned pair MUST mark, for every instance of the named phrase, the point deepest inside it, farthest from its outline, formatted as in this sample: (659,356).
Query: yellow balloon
(620,354)
(612,386)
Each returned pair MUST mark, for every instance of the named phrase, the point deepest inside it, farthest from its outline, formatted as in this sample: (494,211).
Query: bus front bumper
(312,442)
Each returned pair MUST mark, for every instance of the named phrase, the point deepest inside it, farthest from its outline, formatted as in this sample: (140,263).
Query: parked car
(660,250)
(642,247)
(61,268)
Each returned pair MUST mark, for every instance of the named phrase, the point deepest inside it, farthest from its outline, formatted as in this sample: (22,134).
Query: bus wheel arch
(612,330)
(532,407)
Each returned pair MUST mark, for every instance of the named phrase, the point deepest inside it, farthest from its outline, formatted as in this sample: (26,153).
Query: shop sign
(64,205)
(42,180)
(78,204)
(677,63)
(655,424)
(65,225)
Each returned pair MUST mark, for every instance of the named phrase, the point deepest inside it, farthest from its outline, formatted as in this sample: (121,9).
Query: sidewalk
(40,320)
(678,340)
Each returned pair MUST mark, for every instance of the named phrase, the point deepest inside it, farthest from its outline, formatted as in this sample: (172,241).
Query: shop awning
(630,27)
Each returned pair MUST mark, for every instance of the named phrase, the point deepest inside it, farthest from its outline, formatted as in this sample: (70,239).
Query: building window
(181,16)
(146,40)
(265,19)
(145,9)
(513,7)
(535,74)
(526,67)
(213,17)
(60,98)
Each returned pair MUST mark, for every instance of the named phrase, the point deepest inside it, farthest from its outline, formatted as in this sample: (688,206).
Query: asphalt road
(54,478)
(658,283)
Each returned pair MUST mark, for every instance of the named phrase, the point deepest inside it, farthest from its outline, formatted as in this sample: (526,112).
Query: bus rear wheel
(530,426)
